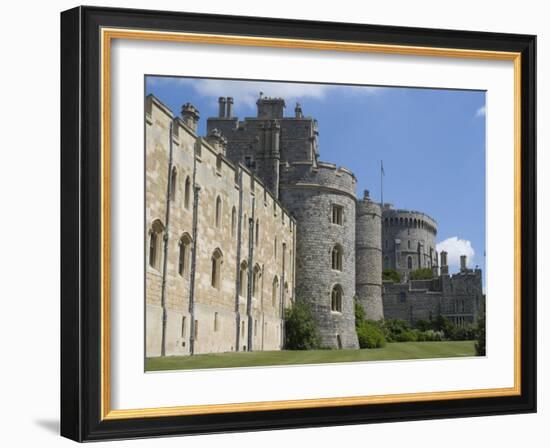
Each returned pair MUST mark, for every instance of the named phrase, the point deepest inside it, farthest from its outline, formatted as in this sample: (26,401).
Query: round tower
(322,199)
(408,240)
(368,248)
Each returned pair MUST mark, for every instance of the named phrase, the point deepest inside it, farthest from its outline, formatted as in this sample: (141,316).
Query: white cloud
(246,93)
(455,247)
(481,111)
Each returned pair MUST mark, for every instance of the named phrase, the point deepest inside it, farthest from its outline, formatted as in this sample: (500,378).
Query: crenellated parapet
(323,176)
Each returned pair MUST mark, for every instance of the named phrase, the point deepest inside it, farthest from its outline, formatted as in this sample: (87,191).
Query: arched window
(409,262)
(274,291)
(233,222)
(218,211)
(256,281)
(217,259)
(243,278)
(275,248)
(173,184)
(409,243)
(219,162)
(184,255)
(187,193)
(155,240)
(336,299)
(257,231)
(337,258)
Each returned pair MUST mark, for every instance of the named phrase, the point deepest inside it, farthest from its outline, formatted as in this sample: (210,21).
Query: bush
(370,335)
(394,328)
(421,274)
(391,275)
(300,328)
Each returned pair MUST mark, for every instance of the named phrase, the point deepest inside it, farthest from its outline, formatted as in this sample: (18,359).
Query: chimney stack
(462,263)
(229,113)
(221,107)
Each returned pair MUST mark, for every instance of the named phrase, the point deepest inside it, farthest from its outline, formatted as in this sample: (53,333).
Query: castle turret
(368,256)
(444,265)
(190,115)
(408,240)
(322,199)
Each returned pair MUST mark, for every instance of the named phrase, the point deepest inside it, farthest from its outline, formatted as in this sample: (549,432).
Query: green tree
(480,331)
(300,328)
(391,275)
(421,274)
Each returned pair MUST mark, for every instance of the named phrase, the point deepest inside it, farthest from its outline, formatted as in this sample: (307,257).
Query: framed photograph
(274,224)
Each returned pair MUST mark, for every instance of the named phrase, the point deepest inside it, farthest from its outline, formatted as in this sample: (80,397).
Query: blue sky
(431,141)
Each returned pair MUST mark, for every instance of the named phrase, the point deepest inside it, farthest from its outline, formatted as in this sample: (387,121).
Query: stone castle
(247,219)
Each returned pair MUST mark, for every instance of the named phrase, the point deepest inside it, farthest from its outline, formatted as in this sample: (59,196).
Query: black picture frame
(81,224)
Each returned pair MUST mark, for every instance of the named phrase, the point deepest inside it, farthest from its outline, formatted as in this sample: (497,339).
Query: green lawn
(394,351)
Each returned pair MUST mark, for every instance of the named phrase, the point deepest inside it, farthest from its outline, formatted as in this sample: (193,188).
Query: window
(336,299)
(216,268)
(184,255)
(337,258)
(155,239)
(242,330)
(173,184)
(409,262)
(274,291)
(257,232)
(187,193)
(242,279)
(218,211)
(182,326)
(216,325)
(275,248)
(386,262)
(219,162)
(233,222)
(409,244)
(255,327)
(337,214)
(256,277)
(196,336)
(402,296)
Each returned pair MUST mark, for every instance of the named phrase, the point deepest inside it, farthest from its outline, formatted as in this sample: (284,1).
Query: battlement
(321,175)
(408,219)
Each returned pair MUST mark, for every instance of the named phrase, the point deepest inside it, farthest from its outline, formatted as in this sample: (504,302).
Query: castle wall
(368,272)
(310,194)
(458,297)
(211,318)
(408,235)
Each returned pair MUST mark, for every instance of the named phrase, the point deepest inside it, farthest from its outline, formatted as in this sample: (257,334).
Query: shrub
(370,335)
(359,313)
(300,328)
(391,275)
(421,274)
(394,328)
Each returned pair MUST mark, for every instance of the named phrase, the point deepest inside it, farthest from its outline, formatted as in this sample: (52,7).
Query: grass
(393,351)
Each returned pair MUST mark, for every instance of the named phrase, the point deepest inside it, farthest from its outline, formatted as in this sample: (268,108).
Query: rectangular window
(216,322)
(182,326)
(337,215)
(196,329)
